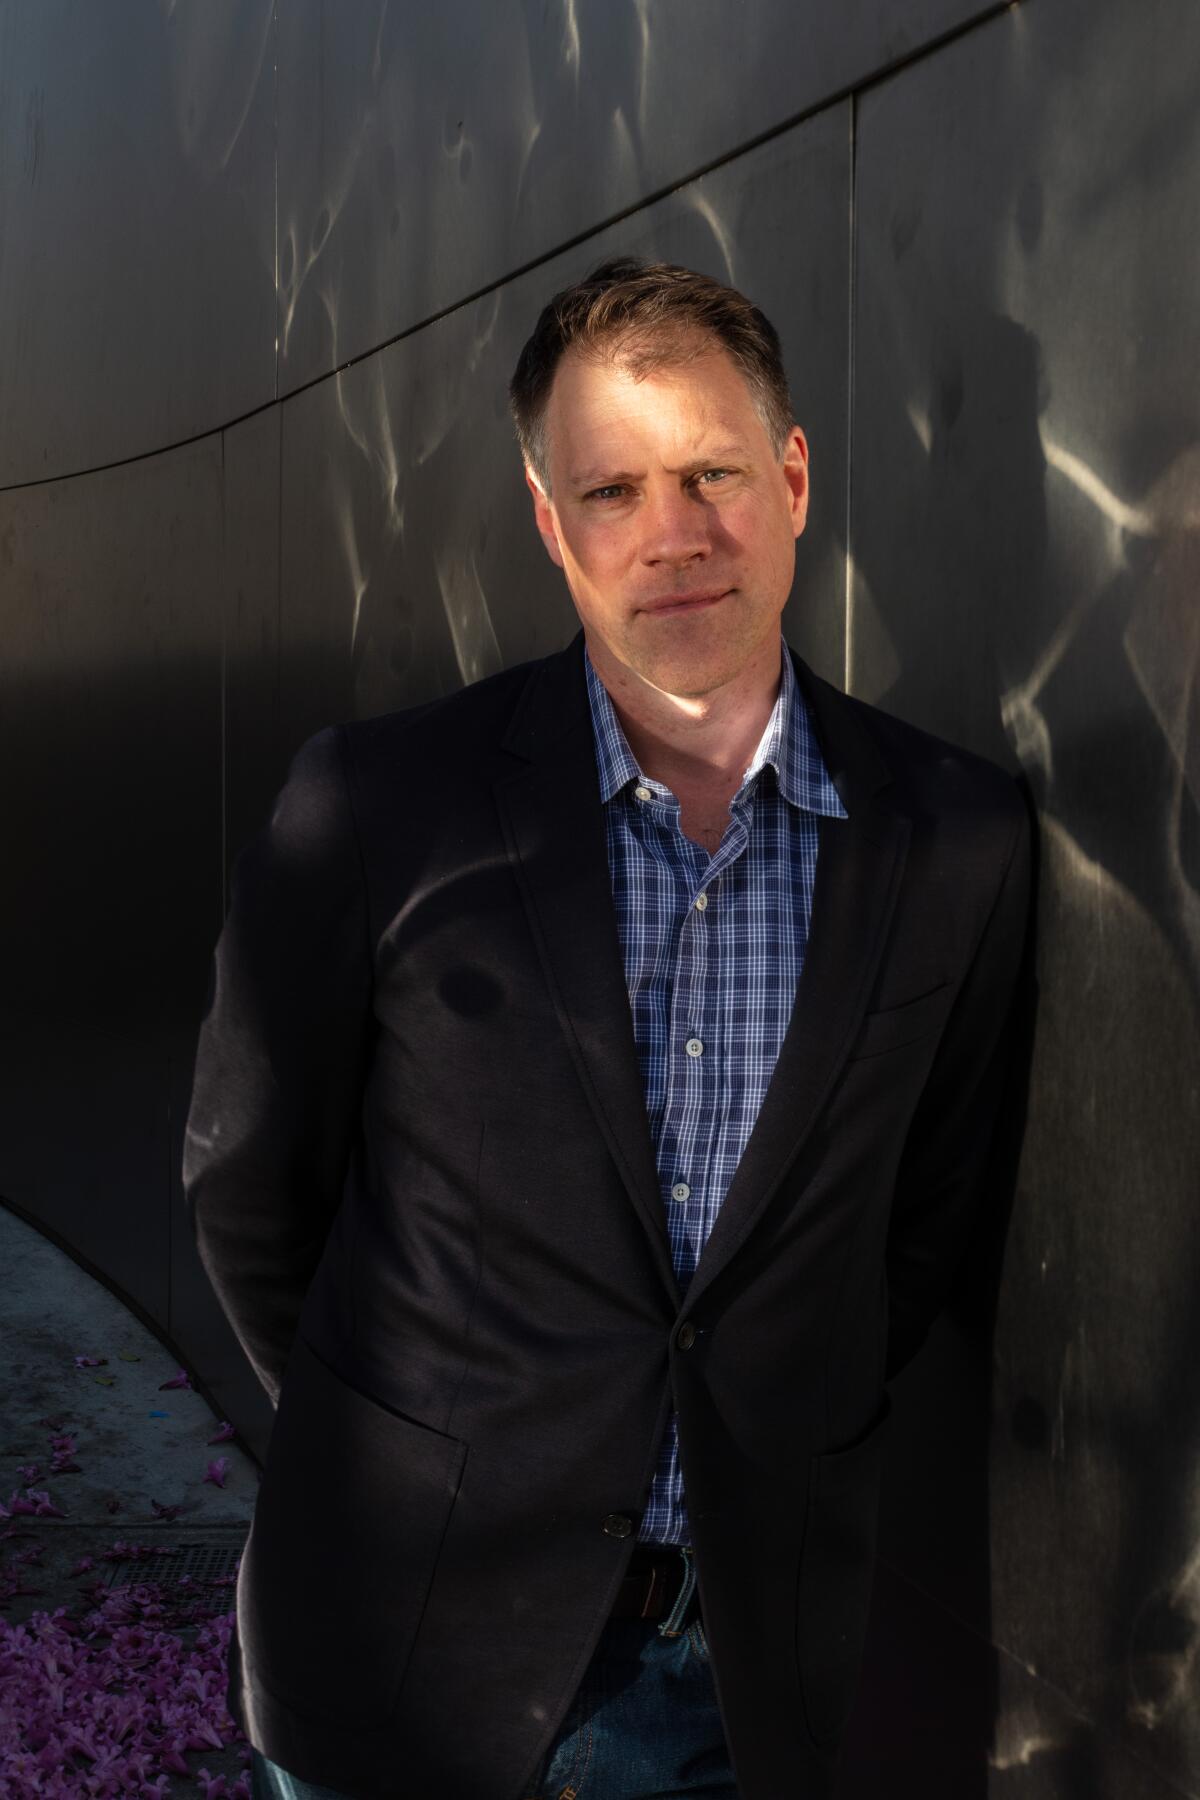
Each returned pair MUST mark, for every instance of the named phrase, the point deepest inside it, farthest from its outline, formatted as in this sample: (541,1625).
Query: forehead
(686,392)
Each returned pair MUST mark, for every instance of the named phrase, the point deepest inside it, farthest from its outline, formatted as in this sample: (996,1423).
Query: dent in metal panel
(1026,553)
(410,561)
(942,1714)
(1046,1749)
(427,152)
(109,728)
(137,257)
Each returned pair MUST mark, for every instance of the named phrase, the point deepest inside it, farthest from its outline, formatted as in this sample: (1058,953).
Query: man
(600,1067)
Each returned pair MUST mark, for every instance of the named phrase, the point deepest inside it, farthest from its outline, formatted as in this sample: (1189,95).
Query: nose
(676,528)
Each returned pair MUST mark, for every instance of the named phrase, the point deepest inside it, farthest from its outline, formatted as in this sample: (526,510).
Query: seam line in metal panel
(169,1172)
(851,348)
(827,101)
(825,104)
(275,163)
(225,604)
(277,695)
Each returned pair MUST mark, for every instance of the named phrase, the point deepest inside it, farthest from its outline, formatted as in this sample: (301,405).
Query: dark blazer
(423,1186)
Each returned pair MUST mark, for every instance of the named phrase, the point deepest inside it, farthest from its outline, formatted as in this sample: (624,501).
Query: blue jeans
(643,1725)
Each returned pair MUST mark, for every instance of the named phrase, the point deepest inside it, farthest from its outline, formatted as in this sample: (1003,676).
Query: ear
(543,514)
(795,473)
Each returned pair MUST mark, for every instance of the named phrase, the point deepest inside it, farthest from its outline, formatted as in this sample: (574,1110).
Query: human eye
(713,477)
(611,491)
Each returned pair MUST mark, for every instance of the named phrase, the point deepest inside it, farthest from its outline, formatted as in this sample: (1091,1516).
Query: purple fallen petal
(223,1433)
(44,1506)
(90,1362)
(217,1471)
(182,1380)
(165,1512)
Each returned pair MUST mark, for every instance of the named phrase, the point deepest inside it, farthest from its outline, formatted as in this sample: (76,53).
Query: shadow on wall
(929,1700)
(925,1722)
(1025,545)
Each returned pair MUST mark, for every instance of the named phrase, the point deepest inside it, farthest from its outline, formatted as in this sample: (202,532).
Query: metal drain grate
(203,1562)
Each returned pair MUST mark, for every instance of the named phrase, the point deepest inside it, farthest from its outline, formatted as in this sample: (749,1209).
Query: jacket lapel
(554,828)
(860,860)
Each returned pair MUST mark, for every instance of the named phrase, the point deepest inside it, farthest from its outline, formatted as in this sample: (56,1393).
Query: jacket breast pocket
(896,1026)
(837,1566)
(351,1513)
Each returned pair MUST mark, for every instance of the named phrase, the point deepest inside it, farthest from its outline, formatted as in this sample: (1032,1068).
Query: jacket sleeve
(282,1057)
(945,1165)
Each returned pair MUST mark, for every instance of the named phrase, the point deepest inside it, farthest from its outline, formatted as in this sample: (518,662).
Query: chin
(690,677)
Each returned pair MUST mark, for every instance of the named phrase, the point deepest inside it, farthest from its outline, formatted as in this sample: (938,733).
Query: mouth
(676,605)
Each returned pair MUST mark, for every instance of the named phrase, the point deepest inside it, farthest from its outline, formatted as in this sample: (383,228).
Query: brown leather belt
(652,1584)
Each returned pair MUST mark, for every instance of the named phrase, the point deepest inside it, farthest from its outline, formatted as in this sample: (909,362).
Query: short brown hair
(642,313)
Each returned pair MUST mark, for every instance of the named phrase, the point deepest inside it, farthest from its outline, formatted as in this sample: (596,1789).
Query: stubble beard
(691,670)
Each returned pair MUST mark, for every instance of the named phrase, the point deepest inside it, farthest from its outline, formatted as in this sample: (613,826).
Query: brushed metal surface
(137,226)
(1026,549)
(409,559)
(427,152)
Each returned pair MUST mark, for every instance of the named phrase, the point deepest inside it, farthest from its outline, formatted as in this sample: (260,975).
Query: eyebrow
(599,477)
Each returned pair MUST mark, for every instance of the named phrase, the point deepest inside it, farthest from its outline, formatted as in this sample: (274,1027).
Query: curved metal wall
(264,271)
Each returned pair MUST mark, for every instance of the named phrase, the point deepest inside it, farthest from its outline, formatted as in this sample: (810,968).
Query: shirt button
(701,902)
(685,1337)
(643,793)
(681,1191)
(694,1047)
(618,1526)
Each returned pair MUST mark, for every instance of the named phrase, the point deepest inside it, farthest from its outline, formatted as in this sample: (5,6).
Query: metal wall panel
(253,683)
(1026,552)
(242,613)
(110,818)
(410,562)
(427,152)
(137,226)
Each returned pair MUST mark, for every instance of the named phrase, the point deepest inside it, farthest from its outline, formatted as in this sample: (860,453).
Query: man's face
(672,517)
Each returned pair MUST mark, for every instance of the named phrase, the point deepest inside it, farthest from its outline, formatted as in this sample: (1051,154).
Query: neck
(695,744)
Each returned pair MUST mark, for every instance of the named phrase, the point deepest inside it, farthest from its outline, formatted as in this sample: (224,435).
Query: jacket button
(617,1525)
(685,1337)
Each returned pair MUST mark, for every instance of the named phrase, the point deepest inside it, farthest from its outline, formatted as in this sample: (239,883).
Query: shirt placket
(696,1045)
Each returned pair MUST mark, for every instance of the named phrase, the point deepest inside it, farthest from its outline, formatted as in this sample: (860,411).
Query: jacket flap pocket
(353,1506)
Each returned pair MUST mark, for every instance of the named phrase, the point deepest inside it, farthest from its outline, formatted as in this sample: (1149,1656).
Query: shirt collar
(788,744)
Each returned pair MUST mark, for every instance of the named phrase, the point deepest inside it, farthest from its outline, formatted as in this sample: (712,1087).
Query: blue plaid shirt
(713,948)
